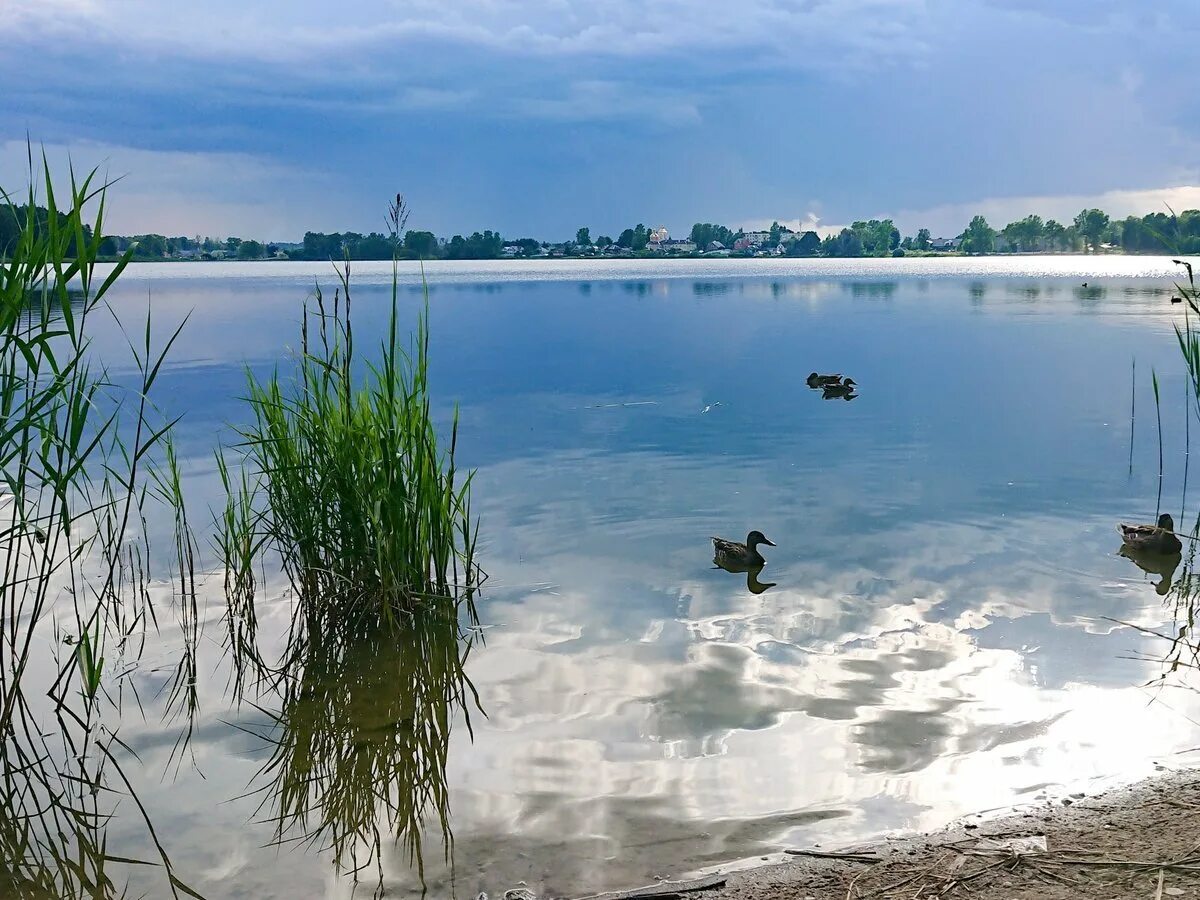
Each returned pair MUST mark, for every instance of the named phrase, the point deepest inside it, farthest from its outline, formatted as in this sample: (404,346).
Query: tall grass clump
(344,479)
(79,467)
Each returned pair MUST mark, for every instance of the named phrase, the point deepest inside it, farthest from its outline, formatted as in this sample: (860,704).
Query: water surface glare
(937,638)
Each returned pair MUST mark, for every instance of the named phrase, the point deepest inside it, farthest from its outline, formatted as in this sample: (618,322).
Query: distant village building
(659,235)
(684,246)
(742,243)
(715,245)
(945,243)
(758,237)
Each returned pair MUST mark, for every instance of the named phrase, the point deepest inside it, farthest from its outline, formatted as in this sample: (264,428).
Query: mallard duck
(815,381)
(735,557)
(844,391)
(1158,538)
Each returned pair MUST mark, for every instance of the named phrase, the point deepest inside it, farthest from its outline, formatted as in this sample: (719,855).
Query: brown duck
(1158,538)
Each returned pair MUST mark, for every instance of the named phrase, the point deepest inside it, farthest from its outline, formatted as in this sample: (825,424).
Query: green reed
(78,457)
(344,480)
(1182,656)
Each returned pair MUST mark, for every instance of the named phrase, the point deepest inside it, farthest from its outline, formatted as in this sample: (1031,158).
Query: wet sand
(1141,841)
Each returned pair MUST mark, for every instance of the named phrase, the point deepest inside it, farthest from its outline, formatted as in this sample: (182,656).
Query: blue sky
(537,116)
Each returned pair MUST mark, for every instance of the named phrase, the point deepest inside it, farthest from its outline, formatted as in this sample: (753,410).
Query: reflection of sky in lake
(936,642)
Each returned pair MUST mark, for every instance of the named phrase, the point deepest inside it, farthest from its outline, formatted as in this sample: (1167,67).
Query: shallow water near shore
(937,636)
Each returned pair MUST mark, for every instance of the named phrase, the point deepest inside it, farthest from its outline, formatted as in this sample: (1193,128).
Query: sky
(534,117)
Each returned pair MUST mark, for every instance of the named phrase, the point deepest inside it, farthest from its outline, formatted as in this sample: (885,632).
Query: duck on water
(728,553)
(1160,538)
(819,381)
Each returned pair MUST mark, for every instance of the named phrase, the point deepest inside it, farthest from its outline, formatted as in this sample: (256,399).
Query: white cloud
(811,221)
(952,218)
(797,31)
(174,192)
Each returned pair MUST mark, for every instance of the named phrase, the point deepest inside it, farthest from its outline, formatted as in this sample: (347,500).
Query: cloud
(802,32)
(951,219)
(434,98)
(489,112)
(811,221)
(591,101)
(176,192)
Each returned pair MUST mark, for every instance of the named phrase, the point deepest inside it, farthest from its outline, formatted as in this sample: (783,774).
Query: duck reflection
(753,585)
(1152,563)
(362,735)
(844,391)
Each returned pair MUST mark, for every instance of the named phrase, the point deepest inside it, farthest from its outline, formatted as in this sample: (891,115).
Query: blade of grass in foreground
(76,453)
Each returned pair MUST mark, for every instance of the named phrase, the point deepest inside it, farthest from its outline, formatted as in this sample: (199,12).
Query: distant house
(677,246)
(758,237)
(945,244)
(715,245)
(742,243)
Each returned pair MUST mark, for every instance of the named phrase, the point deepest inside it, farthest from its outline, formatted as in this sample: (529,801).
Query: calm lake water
(938,636)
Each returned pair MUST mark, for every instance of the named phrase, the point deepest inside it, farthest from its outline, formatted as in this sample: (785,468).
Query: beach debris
(856,856)
(1033,843)
(521,893)
(664,889)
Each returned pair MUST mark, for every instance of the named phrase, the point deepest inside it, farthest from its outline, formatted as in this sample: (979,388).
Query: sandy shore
(1141,841)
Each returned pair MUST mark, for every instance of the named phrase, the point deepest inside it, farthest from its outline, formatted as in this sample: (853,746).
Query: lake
(937,636)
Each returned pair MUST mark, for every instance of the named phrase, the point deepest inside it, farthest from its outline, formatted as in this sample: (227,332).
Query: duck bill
(769,542)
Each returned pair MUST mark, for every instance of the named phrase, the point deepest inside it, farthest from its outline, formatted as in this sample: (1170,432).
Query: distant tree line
(12,220)
(1092,230)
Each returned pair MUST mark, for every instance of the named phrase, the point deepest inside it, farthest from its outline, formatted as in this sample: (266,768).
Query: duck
(845,390)
(1158,538)
(743,557)
(815,381)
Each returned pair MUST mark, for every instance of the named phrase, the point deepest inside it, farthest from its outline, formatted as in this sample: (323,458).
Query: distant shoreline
(916,254)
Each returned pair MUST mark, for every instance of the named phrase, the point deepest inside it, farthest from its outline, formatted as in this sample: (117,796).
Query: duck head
(754,538)
(813,380)
(1166,522)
